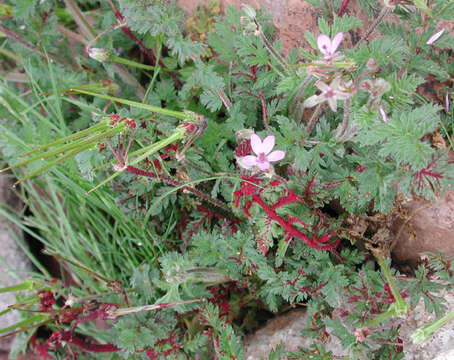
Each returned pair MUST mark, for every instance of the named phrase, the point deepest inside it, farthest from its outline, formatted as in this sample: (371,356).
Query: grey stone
(287,329)
(13,255)
(441,345)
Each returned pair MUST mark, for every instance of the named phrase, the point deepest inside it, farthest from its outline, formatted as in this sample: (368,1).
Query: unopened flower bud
(371,64)
(101,55)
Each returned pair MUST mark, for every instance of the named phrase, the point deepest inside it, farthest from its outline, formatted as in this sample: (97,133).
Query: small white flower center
(329,93)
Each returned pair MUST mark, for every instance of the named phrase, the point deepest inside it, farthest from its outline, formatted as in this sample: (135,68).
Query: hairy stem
(52,57)
(346,119)
(264,115)
(174,183)
(343,7)
(384,11)
(314,118)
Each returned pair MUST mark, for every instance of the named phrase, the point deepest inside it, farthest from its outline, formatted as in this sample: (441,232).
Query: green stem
(98,127)
(177,114)
(53,163)
(136,64)
(24,323)
(26,285)
(133,310)
(270,48)
(151,149)
(377,320)
(424,332)
(75,145)
(390,279)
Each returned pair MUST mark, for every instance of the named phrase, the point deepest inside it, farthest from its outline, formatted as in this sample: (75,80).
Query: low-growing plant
(149,171)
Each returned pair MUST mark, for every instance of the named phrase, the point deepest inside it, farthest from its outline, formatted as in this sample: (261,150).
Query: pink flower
(360,335)
(328,47)
(263,152)
(330,93)
(435,37)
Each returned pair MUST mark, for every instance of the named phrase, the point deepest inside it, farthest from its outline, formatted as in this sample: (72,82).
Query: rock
(427,228)
(13,255)
(440,346)
(287,329)
(447,355)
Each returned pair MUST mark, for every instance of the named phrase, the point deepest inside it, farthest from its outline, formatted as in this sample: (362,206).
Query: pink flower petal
(324,44)
(332,103)
(336,42)
(435,37)
(263,165)
(447,101)
(276,155)
(268,144)
(383,114)
(249,160)
(312,101)
(322,86)
(256,144)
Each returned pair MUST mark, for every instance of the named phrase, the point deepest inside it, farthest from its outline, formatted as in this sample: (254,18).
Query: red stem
(68,337)
(99,348)
(343,7)
(127,31)
(290,229)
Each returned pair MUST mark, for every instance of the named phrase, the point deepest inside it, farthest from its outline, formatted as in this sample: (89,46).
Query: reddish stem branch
(343,7)
(127,31)
(68,337)
(52,57)
(314,242)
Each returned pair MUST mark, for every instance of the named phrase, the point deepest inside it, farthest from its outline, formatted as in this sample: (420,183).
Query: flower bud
(371,64)
(101,55)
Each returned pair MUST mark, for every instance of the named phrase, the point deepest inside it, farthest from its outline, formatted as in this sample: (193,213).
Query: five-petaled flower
(327,46)
(331,93)
(262,150)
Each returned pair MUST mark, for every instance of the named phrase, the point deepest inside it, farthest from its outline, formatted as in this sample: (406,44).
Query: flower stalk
(102,55)
(176,114)
(398,309)
(425,332)
(133,310)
